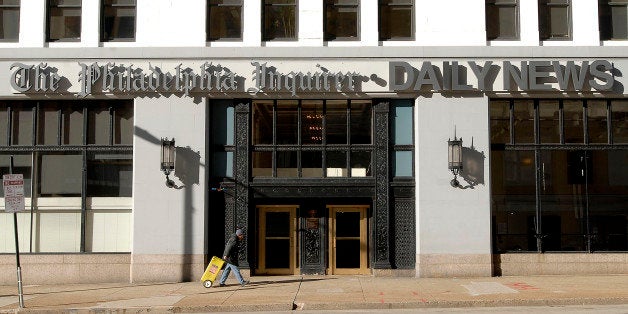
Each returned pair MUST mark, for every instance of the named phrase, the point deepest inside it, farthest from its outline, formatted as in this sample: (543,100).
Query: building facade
(321,129)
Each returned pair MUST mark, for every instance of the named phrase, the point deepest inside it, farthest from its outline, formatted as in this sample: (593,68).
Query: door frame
(331,268)
(293,269)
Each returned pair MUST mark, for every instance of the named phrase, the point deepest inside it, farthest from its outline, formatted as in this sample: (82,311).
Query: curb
(461,304)
(333,306)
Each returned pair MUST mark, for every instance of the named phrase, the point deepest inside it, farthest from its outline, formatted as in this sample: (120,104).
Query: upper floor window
(9,20)
(395,19)
(224,20)
(280,19)
(118,20)
(613,19)
(341,19)
(554,19)
(502,19)
(64,20)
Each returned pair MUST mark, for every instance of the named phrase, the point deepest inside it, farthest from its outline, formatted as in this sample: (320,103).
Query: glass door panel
(514,200)
(563,200)
(348,240)
(277,251)
(277,238)
(607,190)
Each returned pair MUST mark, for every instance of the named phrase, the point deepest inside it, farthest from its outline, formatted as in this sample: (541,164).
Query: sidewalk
(283,293)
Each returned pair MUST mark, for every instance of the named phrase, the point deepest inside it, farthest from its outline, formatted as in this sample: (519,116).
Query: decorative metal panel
(241,174)
(381,233)
(312,191)
(405,233)
(313,245)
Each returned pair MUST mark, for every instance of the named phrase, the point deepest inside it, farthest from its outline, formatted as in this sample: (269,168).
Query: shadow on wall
(186,165)
(473,167)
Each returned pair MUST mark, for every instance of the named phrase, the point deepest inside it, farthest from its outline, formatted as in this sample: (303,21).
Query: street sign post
(13,188)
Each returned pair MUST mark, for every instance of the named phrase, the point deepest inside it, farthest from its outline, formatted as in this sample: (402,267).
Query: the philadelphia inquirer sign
(415,76)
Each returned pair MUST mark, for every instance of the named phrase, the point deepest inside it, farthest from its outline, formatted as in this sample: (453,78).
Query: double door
(343,230)
(580,207)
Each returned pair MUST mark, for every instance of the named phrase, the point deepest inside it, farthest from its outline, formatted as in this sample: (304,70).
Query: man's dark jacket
(231,250)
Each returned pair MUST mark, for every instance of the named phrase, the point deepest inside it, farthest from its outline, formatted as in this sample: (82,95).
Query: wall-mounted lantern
(455,158)
(167,159)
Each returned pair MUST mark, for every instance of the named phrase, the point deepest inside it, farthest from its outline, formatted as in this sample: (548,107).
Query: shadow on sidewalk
(271,282)
(56,289)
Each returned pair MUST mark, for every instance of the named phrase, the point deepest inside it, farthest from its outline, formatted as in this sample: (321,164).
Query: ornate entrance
(305,155)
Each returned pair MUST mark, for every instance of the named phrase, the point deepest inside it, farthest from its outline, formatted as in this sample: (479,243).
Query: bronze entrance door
(277,240)
(348,240)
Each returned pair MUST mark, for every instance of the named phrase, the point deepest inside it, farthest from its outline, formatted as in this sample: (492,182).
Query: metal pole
(19,270)
(17,249)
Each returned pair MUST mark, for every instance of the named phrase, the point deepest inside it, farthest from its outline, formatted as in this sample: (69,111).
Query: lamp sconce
(167,159)
(455,159)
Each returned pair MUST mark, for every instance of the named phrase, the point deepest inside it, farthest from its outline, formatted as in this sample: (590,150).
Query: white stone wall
(453,224)
(169,220)
(449,23)
(171,23)
(169,237)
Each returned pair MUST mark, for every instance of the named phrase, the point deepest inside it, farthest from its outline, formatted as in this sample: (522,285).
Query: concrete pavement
(281,293)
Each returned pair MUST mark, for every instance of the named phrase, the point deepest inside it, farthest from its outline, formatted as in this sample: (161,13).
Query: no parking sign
(13,186)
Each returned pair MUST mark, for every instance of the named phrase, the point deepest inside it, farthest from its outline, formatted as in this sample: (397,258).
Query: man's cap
(239,232)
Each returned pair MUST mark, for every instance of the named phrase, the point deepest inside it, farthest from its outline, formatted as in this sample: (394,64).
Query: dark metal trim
(381,230)
(241,174)
(73,148)
(566,147)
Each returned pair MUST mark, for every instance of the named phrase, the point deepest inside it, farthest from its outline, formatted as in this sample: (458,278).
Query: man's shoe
(221,285)
(246,282)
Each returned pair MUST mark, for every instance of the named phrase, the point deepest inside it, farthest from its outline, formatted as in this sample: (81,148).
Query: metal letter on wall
(241,174)
(381,232)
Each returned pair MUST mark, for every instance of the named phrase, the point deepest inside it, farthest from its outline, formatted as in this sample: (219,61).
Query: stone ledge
(66,268)
(453,265)
(560,264)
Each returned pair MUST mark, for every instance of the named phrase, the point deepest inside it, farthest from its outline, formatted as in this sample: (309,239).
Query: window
(64,20)
(564,186)
(312,138)
(224,20)
(280,19)
(222,114)
(554,19)
(118,20)
(613,18)
(9,20)
(69,151)
(502,19)
(341,19)
(396,19)
(402,121)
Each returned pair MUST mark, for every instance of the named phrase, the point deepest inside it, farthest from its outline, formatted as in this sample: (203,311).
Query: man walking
(230,255)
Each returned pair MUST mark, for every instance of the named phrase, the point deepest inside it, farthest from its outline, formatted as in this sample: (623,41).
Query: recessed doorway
(277,240)
(348,243)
